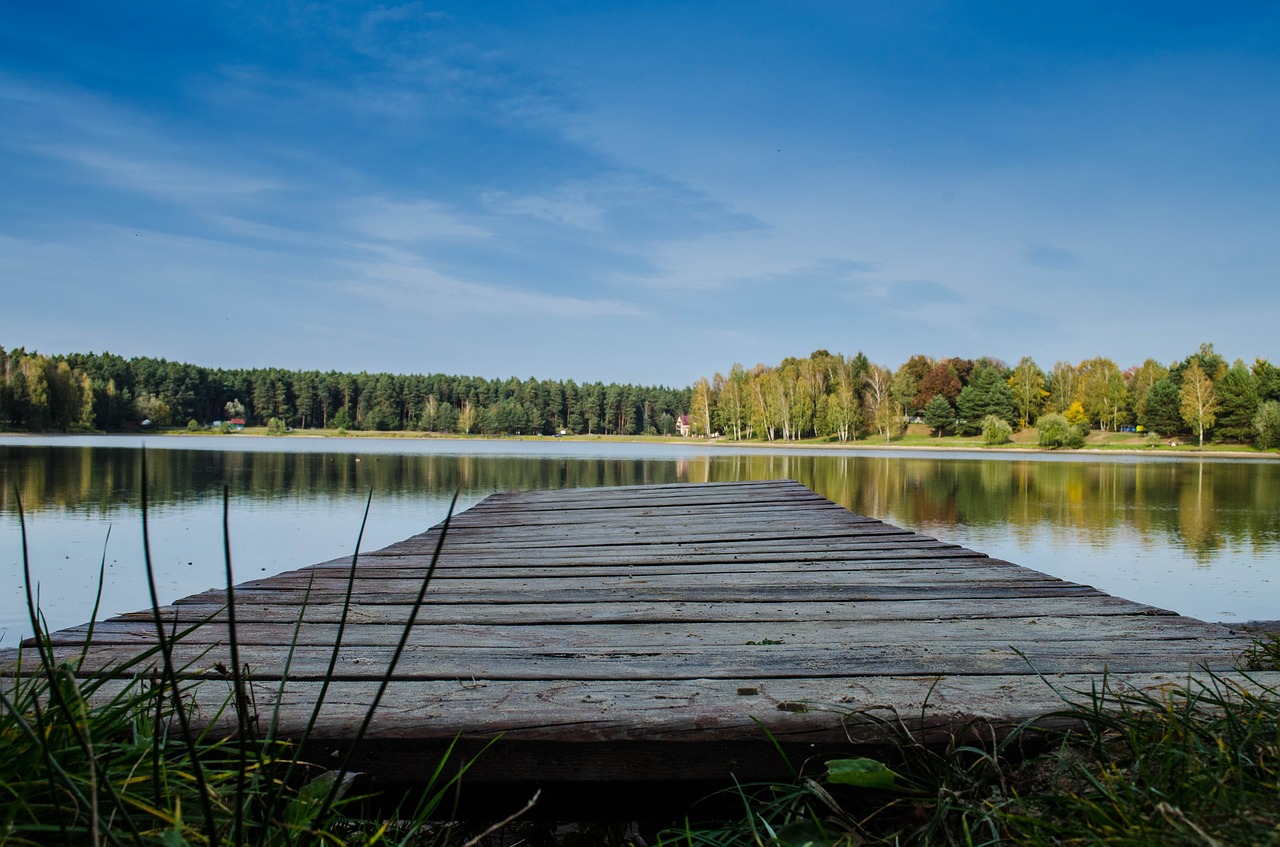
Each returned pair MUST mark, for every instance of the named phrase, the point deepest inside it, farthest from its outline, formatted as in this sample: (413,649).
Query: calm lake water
(1201,537)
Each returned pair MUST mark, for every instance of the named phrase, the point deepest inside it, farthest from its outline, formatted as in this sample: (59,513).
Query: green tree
(107,405)
(1238,403)
(1164,413)
(33,393)
(700,412)
(1056,431)
(306,396)
(731,403)
(1266,425)
(939,414)
(1027,385)
(1199,400)
(64,394)
(152,408)
(430,414)
(1268,379)
(446,418)
(1102,392)
(1064,381)
(844,413)
(906,383)
(986,394)
(996,430)
(1140,382)
(877,399)
(765,412)
(88,401)
(1209,361)
(466,420)
(263,397)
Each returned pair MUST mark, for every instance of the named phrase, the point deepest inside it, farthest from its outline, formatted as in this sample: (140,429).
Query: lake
(1199,536)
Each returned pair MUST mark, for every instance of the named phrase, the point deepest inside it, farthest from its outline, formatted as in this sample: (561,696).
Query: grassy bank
(916,437)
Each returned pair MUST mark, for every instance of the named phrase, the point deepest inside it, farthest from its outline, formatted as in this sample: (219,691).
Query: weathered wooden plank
(727,524)
(605,711)
(574,500)
(660,553)
(635,537)
(614,611)
(783,550)
(678,492)
(692,661)
(636,557)
(959,589)
(944,572)
(973,632)
(417,569)
(724,526)
(808,509)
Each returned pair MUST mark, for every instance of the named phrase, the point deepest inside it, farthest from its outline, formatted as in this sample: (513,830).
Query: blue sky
(638,192)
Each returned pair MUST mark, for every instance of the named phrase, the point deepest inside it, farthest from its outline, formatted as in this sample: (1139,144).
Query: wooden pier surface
(649,633)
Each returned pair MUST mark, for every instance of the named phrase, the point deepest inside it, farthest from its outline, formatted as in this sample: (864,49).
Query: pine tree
(1238,399)
(939,414)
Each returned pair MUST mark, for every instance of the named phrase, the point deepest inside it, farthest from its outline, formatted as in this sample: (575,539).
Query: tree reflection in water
(1147,521)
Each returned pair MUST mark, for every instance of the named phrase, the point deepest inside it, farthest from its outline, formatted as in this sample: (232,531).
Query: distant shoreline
(947,444)
(1194,452)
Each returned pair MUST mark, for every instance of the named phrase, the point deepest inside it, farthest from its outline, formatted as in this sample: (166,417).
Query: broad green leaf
(864,773)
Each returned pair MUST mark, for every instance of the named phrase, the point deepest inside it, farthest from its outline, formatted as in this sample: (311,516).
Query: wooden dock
(652,633)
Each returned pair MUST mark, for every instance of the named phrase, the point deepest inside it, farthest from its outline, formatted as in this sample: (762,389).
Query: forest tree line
(89,391)
(842,398)
(848,397)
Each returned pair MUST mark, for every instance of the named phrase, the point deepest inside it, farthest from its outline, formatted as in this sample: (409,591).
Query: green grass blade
(387,676)
(170,674)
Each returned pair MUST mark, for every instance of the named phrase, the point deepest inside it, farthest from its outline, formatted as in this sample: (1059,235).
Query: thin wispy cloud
(569,205)
(413,222)
(428,292)
(121,147)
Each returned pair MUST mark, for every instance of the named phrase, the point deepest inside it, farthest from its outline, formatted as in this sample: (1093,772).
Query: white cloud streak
(118,147)
(412,222)
(408,287)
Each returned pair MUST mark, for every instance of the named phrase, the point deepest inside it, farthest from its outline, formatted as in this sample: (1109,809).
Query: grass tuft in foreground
(114,758)
(1197,764)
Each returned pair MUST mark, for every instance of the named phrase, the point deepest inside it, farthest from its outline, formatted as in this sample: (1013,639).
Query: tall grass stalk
(405,631)
(170,674)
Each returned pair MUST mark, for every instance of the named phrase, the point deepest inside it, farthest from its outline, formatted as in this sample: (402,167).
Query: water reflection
(1149,522)
(1201,507)
(85,478)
